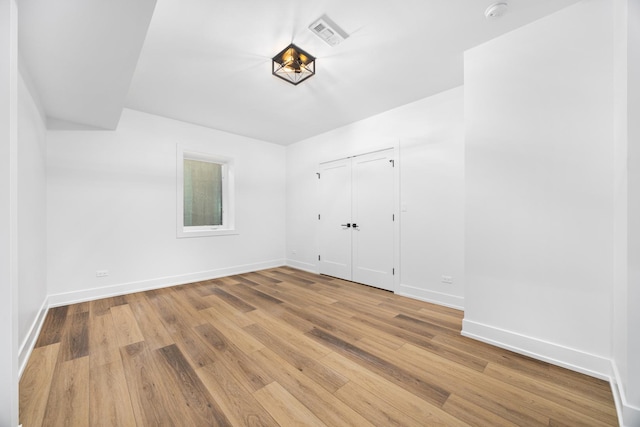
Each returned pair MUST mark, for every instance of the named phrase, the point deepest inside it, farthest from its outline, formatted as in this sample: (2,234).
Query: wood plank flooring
(282,347)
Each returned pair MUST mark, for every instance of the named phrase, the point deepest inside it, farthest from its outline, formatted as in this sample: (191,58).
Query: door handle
(355,226)
(345,225)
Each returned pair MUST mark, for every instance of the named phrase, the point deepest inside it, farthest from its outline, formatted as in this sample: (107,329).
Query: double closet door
(357,219)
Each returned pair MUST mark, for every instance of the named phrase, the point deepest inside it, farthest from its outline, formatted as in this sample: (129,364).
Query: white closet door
(373,214)
(356,219)
(335,202)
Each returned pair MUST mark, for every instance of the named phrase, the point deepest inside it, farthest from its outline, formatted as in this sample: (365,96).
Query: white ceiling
(208,62)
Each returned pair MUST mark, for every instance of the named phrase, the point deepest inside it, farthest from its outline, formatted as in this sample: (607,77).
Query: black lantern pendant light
(293,65)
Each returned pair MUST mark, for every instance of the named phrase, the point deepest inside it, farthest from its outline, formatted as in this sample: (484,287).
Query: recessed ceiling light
(496,10)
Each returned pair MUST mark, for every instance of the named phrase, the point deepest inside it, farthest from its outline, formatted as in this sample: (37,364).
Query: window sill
(205,233)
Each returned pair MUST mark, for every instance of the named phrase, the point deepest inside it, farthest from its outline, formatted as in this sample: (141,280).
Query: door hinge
(318,173)
(393,271)
(318,216)
(318,257)
(393,163)
(393,217)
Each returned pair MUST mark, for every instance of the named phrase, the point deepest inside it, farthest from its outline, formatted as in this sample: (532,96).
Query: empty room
(332,213)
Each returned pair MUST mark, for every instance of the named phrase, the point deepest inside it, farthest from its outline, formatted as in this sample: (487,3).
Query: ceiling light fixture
(293,64)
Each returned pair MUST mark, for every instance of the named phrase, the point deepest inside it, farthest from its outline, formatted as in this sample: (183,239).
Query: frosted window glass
(202,193)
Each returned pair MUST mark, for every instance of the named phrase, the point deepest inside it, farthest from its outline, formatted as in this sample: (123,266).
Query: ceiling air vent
(328,31)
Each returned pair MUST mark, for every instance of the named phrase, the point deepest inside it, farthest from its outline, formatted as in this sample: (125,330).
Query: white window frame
(228,195)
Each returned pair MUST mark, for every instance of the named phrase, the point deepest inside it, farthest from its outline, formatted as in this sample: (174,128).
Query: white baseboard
(66,298)
(448,300)
(305,266)
(566,357)
(30,340)
(628,415)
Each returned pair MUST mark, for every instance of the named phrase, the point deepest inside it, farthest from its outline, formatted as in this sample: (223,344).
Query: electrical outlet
(447,279)
(102,273)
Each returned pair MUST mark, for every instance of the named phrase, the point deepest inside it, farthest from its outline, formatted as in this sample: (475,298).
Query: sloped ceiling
(81,55)
(209,62)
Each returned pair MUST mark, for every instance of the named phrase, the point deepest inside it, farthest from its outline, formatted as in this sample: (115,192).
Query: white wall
(539,188)
(626,301)
(32,219)
(619,321)
(111,203)
(633,301)
(430,137)
(8,214)
(620,290)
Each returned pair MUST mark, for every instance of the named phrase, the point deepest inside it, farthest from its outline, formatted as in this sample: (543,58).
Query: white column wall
(632,341)
(626,294)
(8,214)
(539,188)
(619,321)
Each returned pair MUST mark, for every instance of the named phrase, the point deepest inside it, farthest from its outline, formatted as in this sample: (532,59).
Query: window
(205,194)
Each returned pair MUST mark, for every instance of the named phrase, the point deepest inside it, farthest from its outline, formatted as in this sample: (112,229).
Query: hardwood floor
(286,347)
